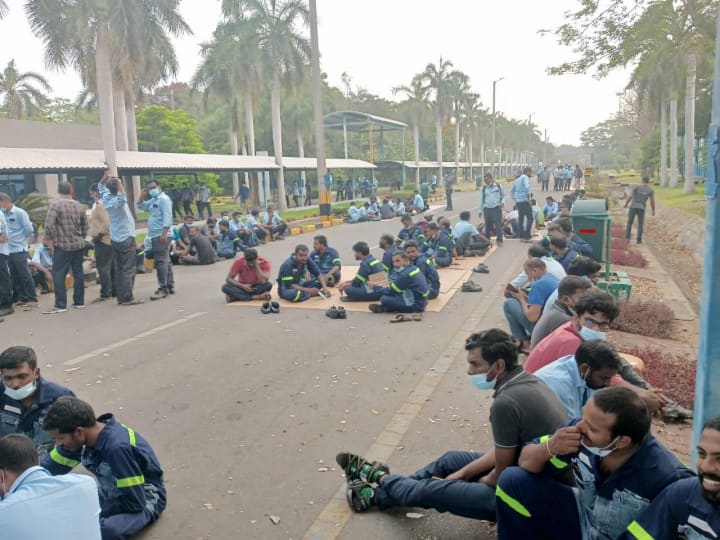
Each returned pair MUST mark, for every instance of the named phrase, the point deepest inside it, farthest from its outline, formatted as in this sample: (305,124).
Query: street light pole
(494,150)
(323,193)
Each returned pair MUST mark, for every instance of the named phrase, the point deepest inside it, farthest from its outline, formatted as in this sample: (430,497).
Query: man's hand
(245,287)
(565,441)
(312,291)
(654,399)
(457,475)
(3,238)
(327,292)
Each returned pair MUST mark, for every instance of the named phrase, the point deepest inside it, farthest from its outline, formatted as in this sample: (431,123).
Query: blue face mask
(480,381)
(600,452)
(588,334)
(400,269)
(154,192)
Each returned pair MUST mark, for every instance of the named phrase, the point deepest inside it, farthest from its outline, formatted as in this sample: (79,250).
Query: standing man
(6,307)
(492,201)
(520,193)
(65,230)
(35,505)
(449,185)
(122,238)
(154,201)
(187,198)
(638,200)
(248,279)
(19,228)
(203,202)
(104,255)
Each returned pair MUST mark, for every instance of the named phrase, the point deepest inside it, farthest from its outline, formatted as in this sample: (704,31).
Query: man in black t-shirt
(638,200)
(200,250)
(459,482)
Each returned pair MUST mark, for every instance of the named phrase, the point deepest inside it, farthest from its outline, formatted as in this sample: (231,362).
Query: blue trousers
(295,295)
(469,499)
(433,293)
(123,526)
(360,294)
(396,303)
(533,506)
(520,327)
(241,295)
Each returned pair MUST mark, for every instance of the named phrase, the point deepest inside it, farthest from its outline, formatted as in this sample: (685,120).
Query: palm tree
(437,80)
(298,112)
(3,8)
(459,89)
(417,98)
(471,114)
(19,91)
(283,53)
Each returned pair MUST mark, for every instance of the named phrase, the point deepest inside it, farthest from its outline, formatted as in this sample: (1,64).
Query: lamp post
(323,193)
(494,150)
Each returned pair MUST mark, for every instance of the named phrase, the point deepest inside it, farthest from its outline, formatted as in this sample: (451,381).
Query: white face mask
(588,334)
(21,393)
(601,452)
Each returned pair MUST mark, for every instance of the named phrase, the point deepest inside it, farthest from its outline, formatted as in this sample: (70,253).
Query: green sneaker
(357,468)
(360,495)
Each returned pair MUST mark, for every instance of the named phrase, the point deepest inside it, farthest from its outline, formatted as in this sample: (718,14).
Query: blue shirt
(353,214)
(418,202)
(326,260)
(4,246)
(542,289)
(252,222)
(369,265)
(410,284)
(563,378)
(427,267)
(40,506)
(567,258)
(122,224)
(160,218)
(236,225)
(275,221)
(42,256)
(462,227)
(520,191)
(442,248)
(387,258)
(492,196)
(19,229)
(680,511)
(227,241)
(550,209)
(289,274)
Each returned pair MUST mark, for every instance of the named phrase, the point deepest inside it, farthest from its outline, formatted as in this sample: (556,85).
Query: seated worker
(690,507)
(227,242)
(213,231)
(550,210)
(562,252)
(553,267)
(440,245)
(373,208)
(387,244)
(359,288)
(42,257)
(523,310)
(426,266)
(538,217)
(253,223)
(354,215)
(327,259)
(184,231)
(241,231)
(468,240)
(408,291)
(386,210)
(34,505)
(299,278)
(274,224)
(400,208)
(583,267)
(570,289)
(418,204)
(42,276)
(510,223)
(128,474)
(248,279)
(200,250)
(563,210)
(574,379)
(619,468)
(410,231)
(26,397)
(461,482)
(574,240)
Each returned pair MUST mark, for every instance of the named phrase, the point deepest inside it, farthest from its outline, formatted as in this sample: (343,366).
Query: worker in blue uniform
(408,291)
(689,508)
(129,477)
(426,266)
(25,397)
(359,288)
(327,259)
(299,278)
(387,244)
(441,246)
(410,231)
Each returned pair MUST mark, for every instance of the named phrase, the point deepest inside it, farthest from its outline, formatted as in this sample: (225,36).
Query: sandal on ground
(417,317)
(401,318)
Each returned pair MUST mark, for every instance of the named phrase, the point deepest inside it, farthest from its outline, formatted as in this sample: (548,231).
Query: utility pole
(494,150)
(707,384)
(530,134)
(323,193)
(545,150)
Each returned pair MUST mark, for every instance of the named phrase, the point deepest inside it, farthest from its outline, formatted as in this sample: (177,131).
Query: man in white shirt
(553,267)
(36,505)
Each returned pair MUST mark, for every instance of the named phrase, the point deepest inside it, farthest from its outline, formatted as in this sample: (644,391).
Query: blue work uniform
(326,261)
(359,289)
(289,274)
(427,267)
(566,259)
(680,511)
(228,243)
(598,507)
(387,258)
(129,477)
(581,246)
(408,291)
(442,248)
(413,232)
(14,418)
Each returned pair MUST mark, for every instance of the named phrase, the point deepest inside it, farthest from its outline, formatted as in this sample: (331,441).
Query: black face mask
(113,188)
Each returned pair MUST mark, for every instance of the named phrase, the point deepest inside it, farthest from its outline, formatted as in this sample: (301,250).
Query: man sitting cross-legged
(408,291)
(463,483)
(359,288)
(440,244)
(327,259)
(248,279)
(299,278)
(426,266)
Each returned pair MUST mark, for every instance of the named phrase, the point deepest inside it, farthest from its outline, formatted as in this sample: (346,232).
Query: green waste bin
(592,223)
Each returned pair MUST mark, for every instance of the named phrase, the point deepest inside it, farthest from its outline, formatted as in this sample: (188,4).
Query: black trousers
(493,222)
(63,261)
(22,281)
(5,283)
(525,218)
(104,262)
(124,269)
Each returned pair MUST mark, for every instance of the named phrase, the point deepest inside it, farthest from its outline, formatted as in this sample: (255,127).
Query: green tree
(23,94)
(163,130)
(418,104)
(437,80)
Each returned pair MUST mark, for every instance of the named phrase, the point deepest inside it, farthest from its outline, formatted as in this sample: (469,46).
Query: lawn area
(694,203)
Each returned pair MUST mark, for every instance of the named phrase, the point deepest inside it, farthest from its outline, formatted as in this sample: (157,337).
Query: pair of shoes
(674,412)
(100,299)
(471,286)
(362,476)
(54,311)
(481,269)
(417,317)
(270,307)
(133,302)
(336,313)
(159,294)
(377,308)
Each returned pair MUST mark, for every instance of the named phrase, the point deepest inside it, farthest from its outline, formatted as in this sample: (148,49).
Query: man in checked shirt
(65,230)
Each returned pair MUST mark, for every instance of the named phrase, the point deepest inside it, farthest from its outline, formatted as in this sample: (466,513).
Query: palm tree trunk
(103,75)
(132,138)
(470,154)
(482,154)
(301,153)
(673,144)
(438,146)
(663,143)
(121,132)
(416,143)
(250,140)
(277,141)
(234,144)
(457,149)
(690,123)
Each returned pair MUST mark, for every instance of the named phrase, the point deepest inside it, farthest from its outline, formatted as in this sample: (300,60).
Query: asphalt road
(247,411)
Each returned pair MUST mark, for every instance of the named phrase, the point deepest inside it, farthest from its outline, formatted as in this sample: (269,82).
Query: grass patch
(694,203)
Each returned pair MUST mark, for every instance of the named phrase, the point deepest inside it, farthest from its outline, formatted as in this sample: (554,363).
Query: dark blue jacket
(369,265)
(442,248)
(409,283)
(414,232)
(427,267)
(387,258)
(329,259)
(289,274)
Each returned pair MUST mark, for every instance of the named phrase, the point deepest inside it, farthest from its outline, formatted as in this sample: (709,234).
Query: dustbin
(592,223)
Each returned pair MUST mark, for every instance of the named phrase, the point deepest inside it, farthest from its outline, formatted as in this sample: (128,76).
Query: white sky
(383,43)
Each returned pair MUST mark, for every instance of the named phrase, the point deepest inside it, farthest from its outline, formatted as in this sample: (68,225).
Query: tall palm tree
(459,90)
(471,113)
(22,94)
(417,97)
(437,80)
(283,52)
(3,8)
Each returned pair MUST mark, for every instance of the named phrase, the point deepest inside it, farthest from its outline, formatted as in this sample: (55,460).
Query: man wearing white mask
(459,482)
(26,396)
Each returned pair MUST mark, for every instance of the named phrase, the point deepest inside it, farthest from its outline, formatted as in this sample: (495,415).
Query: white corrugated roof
(308,163)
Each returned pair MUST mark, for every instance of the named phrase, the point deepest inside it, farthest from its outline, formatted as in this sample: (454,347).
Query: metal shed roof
(356,121)
(308,163)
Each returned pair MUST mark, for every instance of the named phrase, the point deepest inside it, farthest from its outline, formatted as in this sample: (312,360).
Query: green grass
(694,203)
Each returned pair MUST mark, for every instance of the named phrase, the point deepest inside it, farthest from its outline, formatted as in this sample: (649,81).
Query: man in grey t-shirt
(199,251)
(637,201)
(570,289)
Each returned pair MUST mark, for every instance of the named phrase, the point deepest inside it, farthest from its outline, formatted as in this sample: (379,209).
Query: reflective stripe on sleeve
(130,481)
(554,460)
(287,278)
(359,277)
(396,288)
(131,435)
(638,532)
(512,503)
(58,458)
(375,262)
(297,296)
(414,272)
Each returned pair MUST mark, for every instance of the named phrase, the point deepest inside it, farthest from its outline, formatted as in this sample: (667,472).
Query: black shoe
(332,313)
(274,307)
(265,309)
(377,308)
(470,286)
(7,311)
(342,314)
(159,294)
(171,290)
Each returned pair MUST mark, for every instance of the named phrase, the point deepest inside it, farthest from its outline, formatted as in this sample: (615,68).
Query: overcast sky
(383,43)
